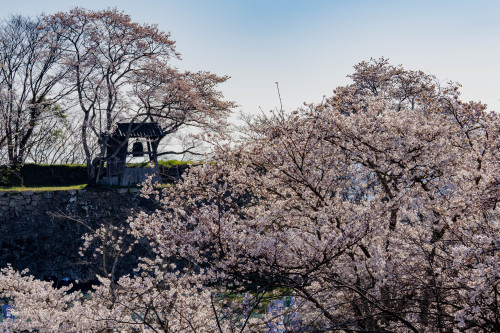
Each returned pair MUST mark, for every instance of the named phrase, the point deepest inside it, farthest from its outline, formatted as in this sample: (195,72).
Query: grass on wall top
(41,188)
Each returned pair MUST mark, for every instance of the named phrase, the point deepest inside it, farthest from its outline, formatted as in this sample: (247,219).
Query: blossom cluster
(377,210)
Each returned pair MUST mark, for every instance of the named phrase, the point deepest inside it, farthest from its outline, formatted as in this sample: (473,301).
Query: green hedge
(44,175)
(165,164)
(10,177)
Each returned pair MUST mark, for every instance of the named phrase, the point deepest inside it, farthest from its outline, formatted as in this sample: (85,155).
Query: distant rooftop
(139,130)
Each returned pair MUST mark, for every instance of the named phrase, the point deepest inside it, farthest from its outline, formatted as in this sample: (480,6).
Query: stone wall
(42,231)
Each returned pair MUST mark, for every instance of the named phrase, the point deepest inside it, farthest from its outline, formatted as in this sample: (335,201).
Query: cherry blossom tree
(120,71)
(377,210)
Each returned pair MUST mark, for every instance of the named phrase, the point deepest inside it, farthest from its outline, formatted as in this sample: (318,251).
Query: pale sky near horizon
(310,46)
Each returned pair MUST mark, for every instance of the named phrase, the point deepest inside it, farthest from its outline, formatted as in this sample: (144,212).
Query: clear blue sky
(310,46)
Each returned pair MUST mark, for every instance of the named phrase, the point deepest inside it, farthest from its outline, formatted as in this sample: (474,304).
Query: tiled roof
(139,130)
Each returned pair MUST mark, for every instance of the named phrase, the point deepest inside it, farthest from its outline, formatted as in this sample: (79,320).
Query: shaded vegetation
(36,175)
(67,176)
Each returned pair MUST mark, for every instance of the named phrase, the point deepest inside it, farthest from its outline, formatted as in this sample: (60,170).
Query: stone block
(27,193)
(92,194)
(31,217)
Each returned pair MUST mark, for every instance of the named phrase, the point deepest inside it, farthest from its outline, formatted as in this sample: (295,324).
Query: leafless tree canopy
(67,79)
